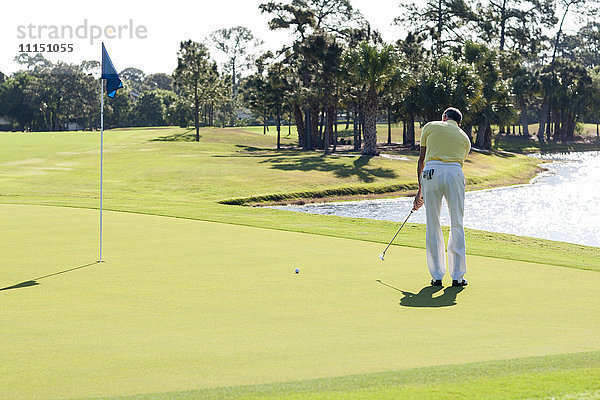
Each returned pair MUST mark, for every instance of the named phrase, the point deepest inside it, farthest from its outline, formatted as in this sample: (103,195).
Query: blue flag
(110,74)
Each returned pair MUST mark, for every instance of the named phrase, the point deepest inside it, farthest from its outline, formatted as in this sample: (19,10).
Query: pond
(561,204)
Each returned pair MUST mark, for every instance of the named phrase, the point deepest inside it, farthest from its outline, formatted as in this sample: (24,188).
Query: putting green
(182,304)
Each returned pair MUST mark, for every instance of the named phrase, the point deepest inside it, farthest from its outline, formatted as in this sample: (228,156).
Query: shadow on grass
(425,296)
(185,136)
(34,282)
(298,160)
(359,167)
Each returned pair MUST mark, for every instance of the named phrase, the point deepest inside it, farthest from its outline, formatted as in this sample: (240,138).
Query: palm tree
(415,59)
(525,84)
(373,67)
(495,100)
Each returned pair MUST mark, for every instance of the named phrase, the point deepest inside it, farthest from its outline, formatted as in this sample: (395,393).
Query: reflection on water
(562,204)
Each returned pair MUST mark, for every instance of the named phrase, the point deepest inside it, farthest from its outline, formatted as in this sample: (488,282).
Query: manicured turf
(207,305)
(63,168)
(148,171)
(567,376)
(184,305)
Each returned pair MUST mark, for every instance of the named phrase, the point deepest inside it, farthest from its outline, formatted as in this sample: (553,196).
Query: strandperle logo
(82,31)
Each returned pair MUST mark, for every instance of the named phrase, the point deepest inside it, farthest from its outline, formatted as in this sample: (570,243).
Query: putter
(382,255)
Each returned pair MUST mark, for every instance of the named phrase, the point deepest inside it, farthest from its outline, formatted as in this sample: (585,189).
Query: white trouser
(440,179)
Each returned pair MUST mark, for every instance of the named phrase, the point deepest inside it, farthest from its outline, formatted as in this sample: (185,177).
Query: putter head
(381,257)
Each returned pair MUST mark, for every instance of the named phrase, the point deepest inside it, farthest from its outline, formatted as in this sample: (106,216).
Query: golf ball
(297,270)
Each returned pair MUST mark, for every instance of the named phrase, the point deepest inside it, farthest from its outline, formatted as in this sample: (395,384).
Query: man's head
(452,113)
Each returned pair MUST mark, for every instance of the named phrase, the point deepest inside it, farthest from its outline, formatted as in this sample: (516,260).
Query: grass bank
(565,376)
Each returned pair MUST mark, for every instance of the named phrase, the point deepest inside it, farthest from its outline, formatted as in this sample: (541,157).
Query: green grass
(184,305)
(569,376)
(62,168)
(206,304)
(188,179)
(520,145)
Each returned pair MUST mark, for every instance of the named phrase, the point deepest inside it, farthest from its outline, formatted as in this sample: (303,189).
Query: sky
(139,34)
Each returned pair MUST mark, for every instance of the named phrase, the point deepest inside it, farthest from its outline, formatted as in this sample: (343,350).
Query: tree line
(504,63)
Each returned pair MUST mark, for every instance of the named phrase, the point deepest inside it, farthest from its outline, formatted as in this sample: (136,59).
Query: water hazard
(562,204)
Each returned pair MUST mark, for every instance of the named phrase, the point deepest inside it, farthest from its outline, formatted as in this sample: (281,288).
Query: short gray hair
(453,114)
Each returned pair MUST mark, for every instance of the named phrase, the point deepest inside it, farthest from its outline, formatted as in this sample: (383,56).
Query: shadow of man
(425,297)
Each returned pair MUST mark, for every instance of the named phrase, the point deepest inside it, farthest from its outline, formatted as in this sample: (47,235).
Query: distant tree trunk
(278,127)
(404,140)
(558,127)
(551,115)
(314,118)
(488,137)
(308,132)
(300,125)
(335,118)
(370,147)
(468,129)
(321,127)
(196,112)
(440,24)
(524,121)
(334,115)
(543,118)
(356,124)
(483,142)
(569,129)
(48,120)
(361,124)
(410,132)
(347,119)
(502,25)
(265,121)
(233,82)
(551,81)
(331,118)
(328,133)
(552,131)
(389,141)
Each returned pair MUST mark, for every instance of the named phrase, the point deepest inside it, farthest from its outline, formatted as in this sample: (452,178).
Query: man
(444,148)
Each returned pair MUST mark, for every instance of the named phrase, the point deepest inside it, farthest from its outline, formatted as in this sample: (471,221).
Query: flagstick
(101,157)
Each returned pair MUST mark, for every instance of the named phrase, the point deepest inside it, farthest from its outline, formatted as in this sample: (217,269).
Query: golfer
(444,148)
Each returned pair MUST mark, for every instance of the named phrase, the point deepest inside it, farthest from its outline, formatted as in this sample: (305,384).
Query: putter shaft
(399,229)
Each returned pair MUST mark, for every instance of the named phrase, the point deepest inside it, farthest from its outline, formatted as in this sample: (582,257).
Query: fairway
(184,305)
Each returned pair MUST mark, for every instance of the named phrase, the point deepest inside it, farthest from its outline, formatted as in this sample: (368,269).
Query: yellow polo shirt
(445,141)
